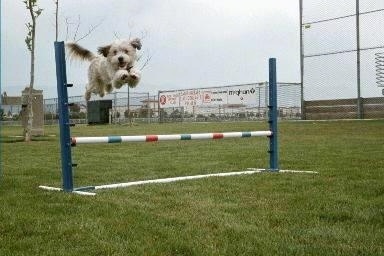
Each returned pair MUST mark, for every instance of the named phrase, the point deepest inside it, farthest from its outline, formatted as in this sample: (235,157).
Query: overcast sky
(199,43)
(192,43)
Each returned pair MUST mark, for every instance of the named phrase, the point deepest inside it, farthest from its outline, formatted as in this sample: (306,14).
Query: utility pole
(301,62)
(358,75)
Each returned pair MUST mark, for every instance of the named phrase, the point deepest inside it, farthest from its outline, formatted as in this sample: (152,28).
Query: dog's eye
(115,52)
(126,51)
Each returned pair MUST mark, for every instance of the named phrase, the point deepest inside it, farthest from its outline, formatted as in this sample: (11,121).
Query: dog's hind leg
(88,92)
(87,95)
(108,88)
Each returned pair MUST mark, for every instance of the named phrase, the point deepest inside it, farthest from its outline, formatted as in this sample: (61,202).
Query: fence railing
(372,108)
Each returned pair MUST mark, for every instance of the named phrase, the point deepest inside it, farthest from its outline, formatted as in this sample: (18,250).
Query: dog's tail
(76,51)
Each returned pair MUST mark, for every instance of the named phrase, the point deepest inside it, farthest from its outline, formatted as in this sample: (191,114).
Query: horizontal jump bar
(149,138)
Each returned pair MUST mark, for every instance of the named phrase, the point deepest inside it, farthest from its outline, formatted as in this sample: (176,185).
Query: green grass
(339,211)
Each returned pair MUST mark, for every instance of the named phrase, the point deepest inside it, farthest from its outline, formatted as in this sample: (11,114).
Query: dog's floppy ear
(104,50)
(136,43)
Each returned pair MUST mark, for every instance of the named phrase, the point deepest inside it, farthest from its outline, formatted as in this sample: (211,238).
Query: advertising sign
(240,94)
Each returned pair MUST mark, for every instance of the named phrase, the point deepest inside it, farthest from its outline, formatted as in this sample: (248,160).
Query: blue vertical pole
(273,145)
(65,137)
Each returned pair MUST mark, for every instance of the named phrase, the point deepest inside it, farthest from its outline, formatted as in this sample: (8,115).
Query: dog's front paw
(134,78)
(121,75)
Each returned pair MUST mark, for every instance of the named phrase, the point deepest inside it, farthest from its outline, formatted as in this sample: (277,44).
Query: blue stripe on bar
(246,134)
(114,139)
(185,136)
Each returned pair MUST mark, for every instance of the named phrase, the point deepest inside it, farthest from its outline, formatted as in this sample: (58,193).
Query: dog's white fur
(113,68)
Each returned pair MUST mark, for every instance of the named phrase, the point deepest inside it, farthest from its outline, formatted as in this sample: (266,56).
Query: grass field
(339,211)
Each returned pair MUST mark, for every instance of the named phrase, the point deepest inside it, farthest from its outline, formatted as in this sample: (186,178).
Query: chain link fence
(244,102)
(342,45)
(126,108)
(241,103)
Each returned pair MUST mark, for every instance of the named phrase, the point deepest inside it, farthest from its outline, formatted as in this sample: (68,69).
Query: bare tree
(144,57)
(69,24)
(76,37)
(56,19)
(35,12)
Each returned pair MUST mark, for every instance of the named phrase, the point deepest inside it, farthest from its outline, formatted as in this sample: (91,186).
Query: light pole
(301,61)
(358,75)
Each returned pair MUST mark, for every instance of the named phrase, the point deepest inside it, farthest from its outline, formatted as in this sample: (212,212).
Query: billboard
(246,94)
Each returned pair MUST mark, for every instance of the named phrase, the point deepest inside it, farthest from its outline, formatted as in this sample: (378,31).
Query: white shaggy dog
(113,68)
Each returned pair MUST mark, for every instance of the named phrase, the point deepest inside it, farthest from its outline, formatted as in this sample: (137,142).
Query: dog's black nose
(121,59)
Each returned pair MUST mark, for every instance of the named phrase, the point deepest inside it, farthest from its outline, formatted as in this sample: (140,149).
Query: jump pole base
(248,171)
(79,192)
(284,171)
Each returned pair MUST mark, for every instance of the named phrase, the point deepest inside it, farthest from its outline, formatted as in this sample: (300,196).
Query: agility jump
(66,142)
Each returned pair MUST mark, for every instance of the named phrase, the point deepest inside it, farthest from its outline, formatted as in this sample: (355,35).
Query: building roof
(10,100)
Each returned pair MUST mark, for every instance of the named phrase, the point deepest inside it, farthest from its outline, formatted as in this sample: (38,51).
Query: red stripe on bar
(218,136)
(150,138)
(73,141)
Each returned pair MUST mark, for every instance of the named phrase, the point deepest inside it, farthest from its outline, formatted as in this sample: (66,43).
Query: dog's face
(121,54)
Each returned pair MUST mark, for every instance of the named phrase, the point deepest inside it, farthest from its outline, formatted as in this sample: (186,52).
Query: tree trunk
(56,19)
(28,131)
